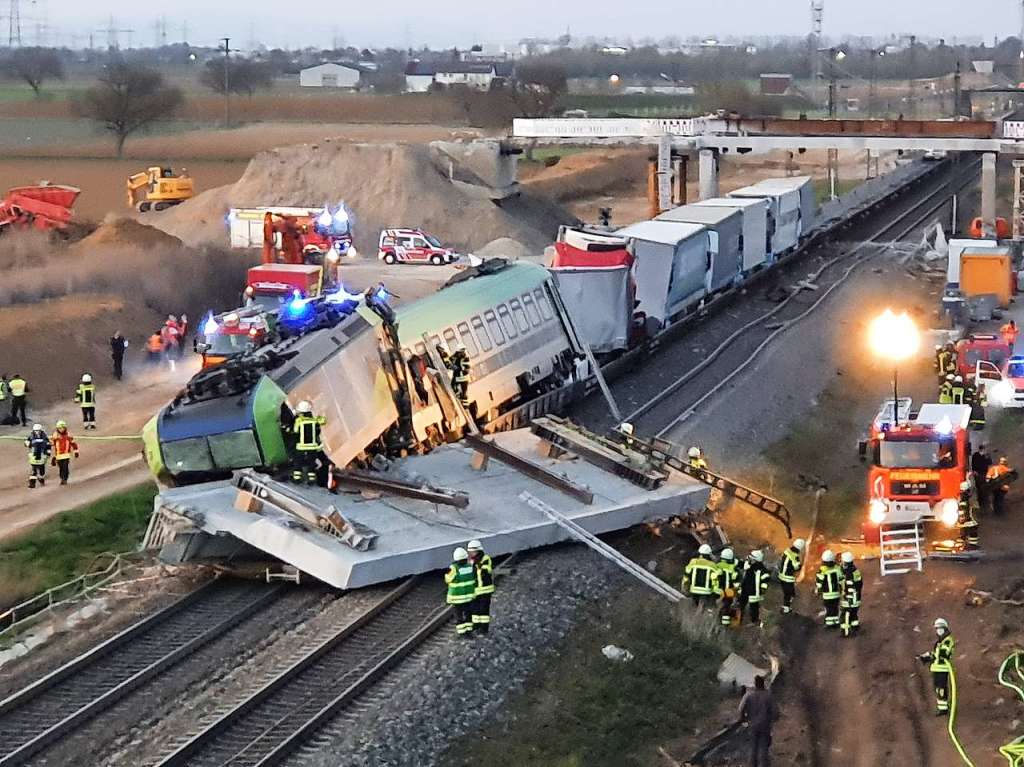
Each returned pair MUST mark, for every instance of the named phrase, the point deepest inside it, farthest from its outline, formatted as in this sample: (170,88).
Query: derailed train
(369,384)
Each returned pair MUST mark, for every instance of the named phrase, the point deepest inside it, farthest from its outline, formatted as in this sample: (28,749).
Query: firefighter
(980,464)
(64,448)
(753,585)
(118,346)
(967,520)
(4,387)
(155,348)
(998,479)
(19,401)
(727,585)
(946,390)
(446,357)
(941,354)
(828,584)
(940,661)
(38,445)
(789,568)
(308,443)
(977,401)
(85,396)
(461,580)
(959,390)
(849,603)
(459,362)
(483,567)
(1009,332)
(699,576)
(696,458)
(952,358)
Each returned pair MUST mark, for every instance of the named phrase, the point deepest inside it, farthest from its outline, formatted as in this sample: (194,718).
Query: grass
(68,544)
(821,188)
(581,709)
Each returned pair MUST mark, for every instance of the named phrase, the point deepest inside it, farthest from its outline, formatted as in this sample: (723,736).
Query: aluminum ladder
(899,546)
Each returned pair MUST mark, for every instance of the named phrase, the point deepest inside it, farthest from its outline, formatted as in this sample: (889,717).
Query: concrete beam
(707,178)
(988,190)
(857,143)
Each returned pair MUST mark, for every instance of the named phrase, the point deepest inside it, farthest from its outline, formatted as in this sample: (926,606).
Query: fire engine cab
(412,246)
(233,333)
(917,467)
(268,286)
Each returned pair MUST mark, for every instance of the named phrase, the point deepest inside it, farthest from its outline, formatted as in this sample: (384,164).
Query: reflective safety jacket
(698,463)
(461,580)
(755,581)
(3,389)
(155,343)
(38,445)
(853,585)
(699,576)
(789,566)
(64,445)
(946,393)
(941,656)
(17,386)
(727,577)
(484,568)
(959,393)
(85,394)
(307,429)
(943,360)
(829,582)
(460,367)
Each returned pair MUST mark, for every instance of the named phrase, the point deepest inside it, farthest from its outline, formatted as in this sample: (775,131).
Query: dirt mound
(503,247)
(384,185)
(125,232)
(585,174)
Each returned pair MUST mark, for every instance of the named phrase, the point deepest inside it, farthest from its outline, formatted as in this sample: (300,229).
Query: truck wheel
(161,206)
(389,258)
(144,207)
(436,260)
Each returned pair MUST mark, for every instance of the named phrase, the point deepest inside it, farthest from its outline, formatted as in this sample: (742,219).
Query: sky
(444,23)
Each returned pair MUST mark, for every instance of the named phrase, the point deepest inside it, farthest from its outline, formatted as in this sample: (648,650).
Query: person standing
(753,586)
(849,604)
(1009,332)
(85,396)
(155,348)
(828,584)
(758,710)
(727,585)
(64,448)
(461,581)
(967,520)
(118,346)
(460,374)
(940,663)
(483,566)
(699,577)
(4,388)
(980,464)
(959,390)
(946,390)
(19,399)
(38,445)
(998,480)
(309,444)
(789,568)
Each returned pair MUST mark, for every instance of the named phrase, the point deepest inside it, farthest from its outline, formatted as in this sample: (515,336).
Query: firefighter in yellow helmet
(940,663)
(461,580)
(308,443)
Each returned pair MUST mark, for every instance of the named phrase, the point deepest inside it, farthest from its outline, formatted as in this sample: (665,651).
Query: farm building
(330,75)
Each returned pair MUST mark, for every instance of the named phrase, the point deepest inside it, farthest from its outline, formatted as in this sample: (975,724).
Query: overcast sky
(451,22)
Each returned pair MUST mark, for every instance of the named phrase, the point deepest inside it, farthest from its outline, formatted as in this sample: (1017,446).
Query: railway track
(37,716)
(287,711)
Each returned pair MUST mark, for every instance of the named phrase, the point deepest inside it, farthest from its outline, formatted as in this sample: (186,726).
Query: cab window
(467,339)
(531,309)
(419,242)
(494,327)
(519,315)
(506,321)
(542,302)
(481,333)
(449,338)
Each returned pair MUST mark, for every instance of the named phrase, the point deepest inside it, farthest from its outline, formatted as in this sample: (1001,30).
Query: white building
(330,76)
(419,75)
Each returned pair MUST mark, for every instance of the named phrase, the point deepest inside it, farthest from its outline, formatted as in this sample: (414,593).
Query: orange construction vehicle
(42,206)
(158,188)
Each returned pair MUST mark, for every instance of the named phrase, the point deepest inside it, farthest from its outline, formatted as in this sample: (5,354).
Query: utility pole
(14,25)
(911,98)
(1020,55)
(227,81)
(817,12)
(956,91)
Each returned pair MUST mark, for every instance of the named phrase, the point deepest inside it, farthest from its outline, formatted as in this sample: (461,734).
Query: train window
(531,309)
(494,327)
(506,321)
(481,333)
(421,349)
(542,302)
(449,338)
(435,340)
(467,339)
(519,315)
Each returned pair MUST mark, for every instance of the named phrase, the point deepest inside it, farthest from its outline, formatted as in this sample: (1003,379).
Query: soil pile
(586,174)
(125,232)
(383,185)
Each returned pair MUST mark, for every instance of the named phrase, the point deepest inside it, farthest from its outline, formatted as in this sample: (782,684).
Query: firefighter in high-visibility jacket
(727,585)
(308,443)
(461,580)
(85,396)
(64,449)
(699,577)
(849,603)
(959,391)
(940,663)
(38,444)
(829,583)
(459,365)
(946,390)
(967,519)
(789,568)
(753,585)
(483,567)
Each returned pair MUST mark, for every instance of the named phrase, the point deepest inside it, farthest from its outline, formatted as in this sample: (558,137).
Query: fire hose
(1014,750)
(951,723)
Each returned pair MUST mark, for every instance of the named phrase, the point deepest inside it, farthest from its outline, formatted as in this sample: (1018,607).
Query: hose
(952,719)
(1014,750)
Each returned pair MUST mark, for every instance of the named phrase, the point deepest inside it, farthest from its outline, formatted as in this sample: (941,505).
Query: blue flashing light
(210,326)
(325,218)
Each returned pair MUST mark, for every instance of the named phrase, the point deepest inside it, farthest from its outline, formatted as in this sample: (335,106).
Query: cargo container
(725,228)
(756,242)
(804,187)
(958,245)
(783,216)
(988,271)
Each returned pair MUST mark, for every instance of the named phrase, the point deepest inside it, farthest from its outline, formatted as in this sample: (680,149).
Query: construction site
(312,378)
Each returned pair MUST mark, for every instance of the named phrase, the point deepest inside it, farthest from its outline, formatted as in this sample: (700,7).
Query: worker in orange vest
(1009,332)
(998,481)
(64,447)
(155,347)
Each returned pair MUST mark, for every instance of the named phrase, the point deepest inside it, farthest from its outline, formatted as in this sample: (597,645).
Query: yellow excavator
(158,188)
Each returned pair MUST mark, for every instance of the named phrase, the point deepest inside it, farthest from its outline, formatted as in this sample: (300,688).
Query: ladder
(899,545)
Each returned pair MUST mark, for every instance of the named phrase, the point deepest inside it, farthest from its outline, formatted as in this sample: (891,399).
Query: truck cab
(980,347)
(412,246)
(269,286)
(231,334)
(917,468)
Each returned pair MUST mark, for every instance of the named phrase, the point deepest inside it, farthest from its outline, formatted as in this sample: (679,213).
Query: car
(413,246)
(1004,385)
(934,155)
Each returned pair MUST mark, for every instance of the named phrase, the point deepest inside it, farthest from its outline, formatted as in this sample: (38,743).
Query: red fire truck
(268,286)
(917,467)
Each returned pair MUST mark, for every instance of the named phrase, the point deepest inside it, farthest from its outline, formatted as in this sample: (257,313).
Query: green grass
(68,544)
(821,188)
(582,710)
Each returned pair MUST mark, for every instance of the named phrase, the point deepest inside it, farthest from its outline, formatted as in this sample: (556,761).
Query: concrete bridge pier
(707,175)
(988,191)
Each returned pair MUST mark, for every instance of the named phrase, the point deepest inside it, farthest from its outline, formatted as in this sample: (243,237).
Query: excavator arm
(135,182)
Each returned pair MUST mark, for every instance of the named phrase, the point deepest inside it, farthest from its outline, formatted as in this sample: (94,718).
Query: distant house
(420,75)
(775,83)
(330,75)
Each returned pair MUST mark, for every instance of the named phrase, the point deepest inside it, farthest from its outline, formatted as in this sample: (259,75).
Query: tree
(243,76)
(537,87)
(127,98)
(34,65)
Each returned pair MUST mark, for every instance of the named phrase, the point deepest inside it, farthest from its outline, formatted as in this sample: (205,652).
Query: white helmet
(949,377)
(958,379)
(304,407)
(37,427)
(459,554)
(828,556)
(460,347)
(693,452)
(86,378)
(728,555)
(965,486)
(626,428)
(799,544)
(847,557)
(938,347)
(475,545)
(704,550)
(757,555)
(942,623)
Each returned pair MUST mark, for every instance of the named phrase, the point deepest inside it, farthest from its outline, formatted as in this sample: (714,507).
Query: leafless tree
(34,66)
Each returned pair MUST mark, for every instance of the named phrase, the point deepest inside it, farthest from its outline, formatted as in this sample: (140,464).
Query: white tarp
(599,304)
(756,242)
(671,265)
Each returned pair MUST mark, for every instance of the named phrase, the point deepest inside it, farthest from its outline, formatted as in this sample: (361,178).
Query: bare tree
(242,76)
(127,98)
(34,66)
(537,87)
